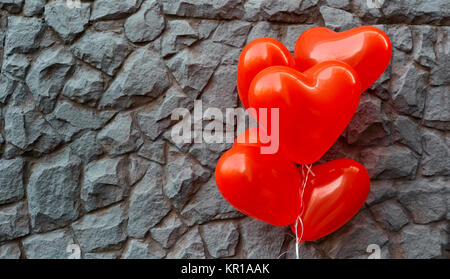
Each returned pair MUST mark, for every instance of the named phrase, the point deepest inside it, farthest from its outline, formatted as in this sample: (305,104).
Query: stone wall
(86,94)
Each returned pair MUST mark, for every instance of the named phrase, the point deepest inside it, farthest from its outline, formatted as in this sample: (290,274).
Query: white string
(310,169)
(285,252)
(299,219)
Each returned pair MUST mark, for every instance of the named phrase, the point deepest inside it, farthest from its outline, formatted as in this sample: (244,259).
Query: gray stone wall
(86,94)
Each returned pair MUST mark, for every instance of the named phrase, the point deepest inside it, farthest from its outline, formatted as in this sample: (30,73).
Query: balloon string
(299,218)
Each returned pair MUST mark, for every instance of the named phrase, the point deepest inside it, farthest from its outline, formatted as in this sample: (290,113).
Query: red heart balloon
(367,49)
(332,197)
(255,57)
(314,106)
(263,186)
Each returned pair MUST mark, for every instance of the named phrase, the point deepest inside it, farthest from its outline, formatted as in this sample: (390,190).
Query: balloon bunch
(317,93)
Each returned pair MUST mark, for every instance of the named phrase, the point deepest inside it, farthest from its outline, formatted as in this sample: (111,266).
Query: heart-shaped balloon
(367,49)
(314,106)
(263,186)
(255,57)
(332,197)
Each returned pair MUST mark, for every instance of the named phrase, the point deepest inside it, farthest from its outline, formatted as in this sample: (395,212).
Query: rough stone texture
(102,255)
(105,182)
(85,86)
(67,21)
(153,151)
(233,33)
(10,251)
(11,180)
(120,136)
(381,190)
(438,76)
(53,191)
(68,119)
(147,203)
(417,11)
(87,157)
(424,52)
(189,246)
(47,76)
(425,199)
(138,166)
(7,86)
(265,29)
(420,242)
(401,38)
(286,11)
(147,24)
(169,230)
(390,214)
(437,115)
(193,69)
(409,94)
(51,245)
(114,48)
(143,74)
(101,230)
(259,239)
(390,162)
(352,240)
(214,9)
(368,126)
(436,158)
(86,146)
(222,89)
(12,6)
(179,35)
(138,249)
(220,239)
(14,221)
(114,9)
(34,7)
(155,119)
(338,19)
(16,65)
(197,211)
(23,34)
(184,176)
(25,128)
(407,131)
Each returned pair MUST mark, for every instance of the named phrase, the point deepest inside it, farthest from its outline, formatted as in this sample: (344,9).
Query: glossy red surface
(255,57)
(332,197)
(367,49)
(263,186)
(314,106)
